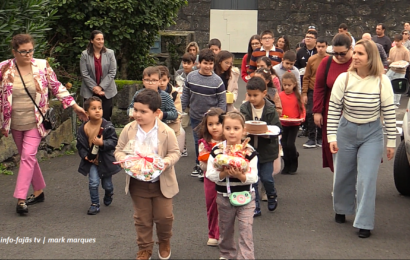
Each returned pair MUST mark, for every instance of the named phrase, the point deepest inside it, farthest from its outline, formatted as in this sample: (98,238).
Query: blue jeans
(94,183)
(194,124)
(356,167)
(265,174)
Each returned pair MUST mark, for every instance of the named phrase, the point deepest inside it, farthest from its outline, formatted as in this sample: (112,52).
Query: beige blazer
(168,149)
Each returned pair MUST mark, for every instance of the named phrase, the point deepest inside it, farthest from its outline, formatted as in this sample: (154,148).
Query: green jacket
(268,149)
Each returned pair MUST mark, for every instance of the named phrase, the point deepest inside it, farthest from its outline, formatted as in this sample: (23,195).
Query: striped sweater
(362,102)
(275,55)
(201,92)
(167,106)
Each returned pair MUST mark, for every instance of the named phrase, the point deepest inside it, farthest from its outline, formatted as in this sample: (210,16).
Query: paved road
(301,227)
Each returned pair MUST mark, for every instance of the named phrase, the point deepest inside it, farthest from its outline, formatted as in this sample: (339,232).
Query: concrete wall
(292,17)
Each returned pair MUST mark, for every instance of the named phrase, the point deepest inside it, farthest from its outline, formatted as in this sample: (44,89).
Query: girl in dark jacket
(102,166)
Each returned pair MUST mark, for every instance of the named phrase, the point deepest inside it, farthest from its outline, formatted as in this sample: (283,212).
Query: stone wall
(292,17)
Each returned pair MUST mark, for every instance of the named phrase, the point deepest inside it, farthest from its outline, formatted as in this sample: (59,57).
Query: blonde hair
(374,63)
(192,44)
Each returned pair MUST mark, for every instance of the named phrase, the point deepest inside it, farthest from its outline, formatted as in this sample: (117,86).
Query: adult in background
(406,41)
(18,113)
(254,43)
(343,29)
(382,53)
(192,48)
(338,63)
(356,135)
(229,75)
(381,38)
(98,68)
(283,43)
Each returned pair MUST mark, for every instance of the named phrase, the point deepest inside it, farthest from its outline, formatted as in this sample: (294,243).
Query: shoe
(364,233)
(294,164)
(339,218)
(212,242)
(310,144)
(257,213)
(264,197)
(33,200)
(184,153)
(94,209)
(195,171)
(272,203)
(108,199)
(164,251)
(200,174)
(286,167)
(21,208)
(144,255)
(319,143)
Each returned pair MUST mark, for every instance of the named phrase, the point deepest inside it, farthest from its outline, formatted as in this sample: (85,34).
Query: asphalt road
(302,226)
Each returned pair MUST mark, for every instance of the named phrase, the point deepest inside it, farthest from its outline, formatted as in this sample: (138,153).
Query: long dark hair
(223,55)
(250,50)
(286,47)
(292,77)
(268,63)
(202,128)
(90,47)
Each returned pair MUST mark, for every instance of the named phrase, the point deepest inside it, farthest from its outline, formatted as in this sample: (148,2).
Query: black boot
(294,163)
(286,167)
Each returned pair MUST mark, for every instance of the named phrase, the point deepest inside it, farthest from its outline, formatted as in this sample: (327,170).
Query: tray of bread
(401,64)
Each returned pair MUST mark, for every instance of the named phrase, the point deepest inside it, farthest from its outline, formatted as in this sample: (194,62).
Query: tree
(25,16)
(129,27)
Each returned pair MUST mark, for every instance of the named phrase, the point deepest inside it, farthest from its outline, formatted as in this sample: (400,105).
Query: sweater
(275,55)
(303,56)
(384,41)
(383,54)
(201,92)
(280,71)
(290,108)
(310,73)
(244,68)
(167,105)
(397,54)
(361,101)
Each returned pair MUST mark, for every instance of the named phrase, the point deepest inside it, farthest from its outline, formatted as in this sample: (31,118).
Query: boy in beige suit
(152,200)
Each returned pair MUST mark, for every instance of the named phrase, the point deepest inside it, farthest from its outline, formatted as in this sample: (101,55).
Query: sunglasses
(312,27)
(341,54)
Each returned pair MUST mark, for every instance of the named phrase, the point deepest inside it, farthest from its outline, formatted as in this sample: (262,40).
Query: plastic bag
(233,156)
(142,162)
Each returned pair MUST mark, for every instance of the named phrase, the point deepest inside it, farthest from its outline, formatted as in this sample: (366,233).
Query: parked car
(402,157)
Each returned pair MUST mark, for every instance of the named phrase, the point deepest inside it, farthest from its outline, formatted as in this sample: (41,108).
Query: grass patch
(3,170)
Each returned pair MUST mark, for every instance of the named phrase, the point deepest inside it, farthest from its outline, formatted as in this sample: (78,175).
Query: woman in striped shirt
(360,95)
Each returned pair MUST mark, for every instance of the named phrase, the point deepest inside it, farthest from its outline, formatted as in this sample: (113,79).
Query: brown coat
(167,148)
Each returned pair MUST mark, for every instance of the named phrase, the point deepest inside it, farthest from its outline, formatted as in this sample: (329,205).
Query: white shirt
(257,113)
(149,139)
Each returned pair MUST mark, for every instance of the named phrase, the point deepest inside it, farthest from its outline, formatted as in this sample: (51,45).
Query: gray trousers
(356,167)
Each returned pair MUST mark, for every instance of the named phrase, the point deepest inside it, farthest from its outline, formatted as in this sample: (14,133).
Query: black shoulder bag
(49,119)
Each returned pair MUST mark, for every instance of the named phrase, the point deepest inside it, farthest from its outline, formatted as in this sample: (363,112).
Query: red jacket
(244,68)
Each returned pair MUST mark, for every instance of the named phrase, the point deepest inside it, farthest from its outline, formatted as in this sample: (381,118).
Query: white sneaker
(212,242)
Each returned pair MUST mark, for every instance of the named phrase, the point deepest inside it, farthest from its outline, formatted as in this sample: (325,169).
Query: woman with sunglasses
(21,78)
(359,98)
(338,63)
(98,69)
(254,43)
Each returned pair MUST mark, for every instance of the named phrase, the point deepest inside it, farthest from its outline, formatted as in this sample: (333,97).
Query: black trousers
(288,142)
(311,127)
(106,106)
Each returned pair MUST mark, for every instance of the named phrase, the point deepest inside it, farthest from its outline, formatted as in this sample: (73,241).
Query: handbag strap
(28,93)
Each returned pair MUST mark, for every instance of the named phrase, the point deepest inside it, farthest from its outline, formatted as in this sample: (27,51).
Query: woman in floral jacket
(19,114)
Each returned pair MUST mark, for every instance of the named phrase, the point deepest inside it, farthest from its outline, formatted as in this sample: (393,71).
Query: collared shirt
(149,139)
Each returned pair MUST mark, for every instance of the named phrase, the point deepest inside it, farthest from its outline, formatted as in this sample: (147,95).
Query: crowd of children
(204,96)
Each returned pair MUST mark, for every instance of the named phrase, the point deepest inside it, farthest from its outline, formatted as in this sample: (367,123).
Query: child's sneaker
(319,143)
(108,199)
(200,174)
(184,152)
(212,242)
(94,209)
(272,203)
(195,171)
(144,255)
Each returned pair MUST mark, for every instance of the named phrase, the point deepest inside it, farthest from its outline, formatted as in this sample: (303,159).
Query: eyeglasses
(267,38)
(150,81)
(24,53)
(341,54)
(309,37)
(255,43)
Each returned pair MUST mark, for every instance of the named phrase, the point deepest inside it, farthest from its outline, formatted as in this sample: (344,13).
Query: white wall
(234,28)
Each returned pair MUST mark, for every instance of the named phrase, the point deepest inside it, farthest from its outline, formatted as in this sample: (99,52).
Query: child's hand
(161,115)
(235,172)
(91,161)
(166,165)
(98,141)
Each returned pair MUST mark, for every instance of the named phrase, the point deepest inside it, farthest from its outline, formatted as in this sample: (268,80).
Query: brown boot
(164,251)
(144,255)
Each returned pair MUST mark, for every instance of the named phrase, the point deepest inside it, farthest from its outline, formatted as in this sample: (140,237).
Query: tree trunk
(124,67)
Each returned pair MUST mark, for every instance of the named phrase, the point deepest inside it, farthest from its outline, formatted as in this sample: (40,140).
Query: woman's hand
(80,112)
(390,153)
(318,119)
(4,132)
(333,147)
